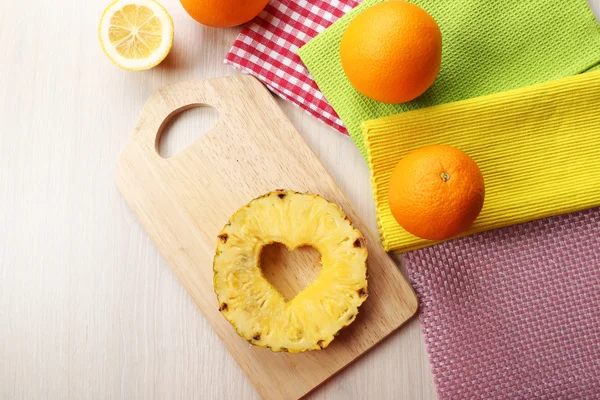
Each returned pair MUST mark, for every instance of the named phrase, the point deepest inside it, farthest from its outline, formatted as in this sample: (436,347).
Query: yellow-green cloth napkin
(538,148)
(488,47)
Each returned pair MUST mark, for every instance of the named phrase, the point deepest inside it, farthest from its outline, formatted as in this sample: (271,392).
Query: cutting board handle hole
(184,128)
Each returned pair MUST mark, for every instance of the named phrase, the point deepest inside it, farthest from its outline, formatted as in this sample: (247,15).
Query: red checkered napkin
(267,48)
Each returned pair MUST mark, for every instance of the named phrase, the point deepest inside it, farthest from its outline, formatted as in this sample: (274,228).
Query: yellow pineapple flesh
(254,307)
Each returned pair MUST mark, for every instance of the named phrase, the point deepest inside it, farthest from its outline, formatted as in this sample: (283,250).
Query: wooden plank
(184,201)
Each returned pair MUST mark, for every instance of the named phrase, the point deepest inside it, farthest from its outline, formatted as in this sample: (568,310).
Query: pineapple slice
(254,307)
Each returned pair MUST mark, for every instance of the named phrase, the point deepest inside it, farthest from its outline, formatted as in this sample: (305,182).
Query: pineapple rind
(254,307)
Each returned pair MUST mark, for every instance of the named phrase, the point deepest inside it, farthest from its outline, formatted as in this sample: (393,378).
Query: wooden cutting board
(184,201)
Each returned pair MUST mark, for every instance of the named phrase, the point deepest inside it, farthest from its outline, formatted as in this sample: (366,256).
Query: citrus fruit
(223,13)
(392,51)
(136,34)
(436,192)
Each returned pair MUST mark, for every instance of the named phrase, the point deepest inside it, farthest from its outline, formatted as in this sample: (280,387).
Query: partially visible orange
(436,192)
(223,13)
(392,51)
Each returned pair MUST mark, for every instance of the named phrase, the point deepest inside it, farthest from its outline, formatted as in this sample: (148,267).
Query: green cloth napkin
(488,46)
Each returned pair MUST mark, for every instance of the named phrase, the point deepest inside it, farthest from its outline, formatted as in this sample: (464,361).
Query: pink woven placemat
(267,48)
(514,313)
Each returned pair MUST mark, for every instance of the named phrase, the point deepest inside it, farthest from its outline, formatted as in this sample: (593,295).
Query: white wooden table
(88,308)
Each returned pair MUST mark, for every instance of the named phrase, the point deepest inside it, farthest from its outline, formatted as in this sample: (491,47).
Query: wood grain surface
(184,201)
(88,307)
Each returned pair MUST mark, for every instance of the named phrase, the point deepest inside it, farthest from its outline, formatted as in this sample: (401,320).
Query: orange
(392,51)
(436,192)
(223,13)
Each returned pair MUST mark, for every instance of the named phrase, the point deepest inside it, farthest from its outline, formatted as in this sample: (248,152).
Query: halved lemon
(136,34)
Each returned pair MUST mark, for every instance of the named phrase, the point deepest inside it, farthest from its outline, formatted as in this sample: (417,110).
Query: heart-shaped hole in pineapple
(184,128)
(290,271)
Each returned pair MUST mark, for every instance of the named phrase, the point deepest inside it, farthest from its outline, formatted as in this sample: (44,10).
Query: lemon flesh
(136,34)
